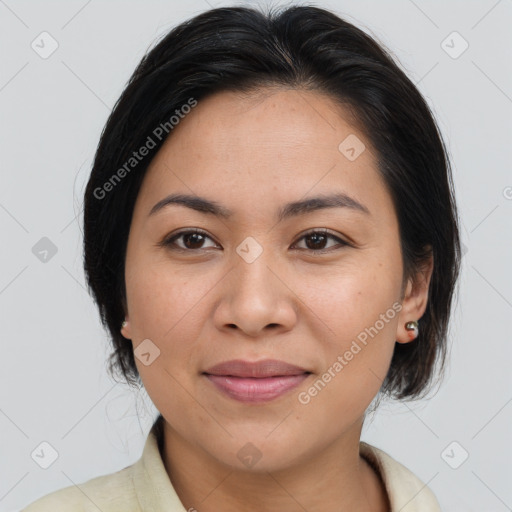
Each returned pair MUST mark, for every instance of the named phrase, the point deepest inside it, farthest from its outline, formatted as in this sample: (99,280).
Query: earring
(412,327)
(124,324)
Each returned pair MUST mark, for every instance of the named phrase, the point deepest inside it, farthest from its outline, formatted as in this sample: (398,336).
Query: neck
(338,479)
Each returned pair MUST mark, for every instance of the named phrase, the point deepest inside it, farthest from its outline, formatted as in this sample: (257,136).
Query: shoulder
(110,492)
(406,492)
(144,485)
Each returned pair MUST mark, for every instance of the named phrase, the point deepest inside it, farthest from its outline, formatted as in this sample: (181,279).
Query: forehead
(275,145)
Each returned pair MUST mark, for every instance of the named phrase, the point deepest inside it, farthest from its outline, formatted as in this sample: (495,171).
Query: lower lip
(256,390)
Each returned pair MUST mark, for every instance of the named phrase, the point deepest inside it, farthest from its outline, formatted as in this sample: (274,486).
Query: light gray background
(54,384)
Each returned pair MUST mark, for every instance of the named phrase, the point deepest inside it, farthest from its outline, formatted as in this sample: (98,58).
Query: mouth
(259,381)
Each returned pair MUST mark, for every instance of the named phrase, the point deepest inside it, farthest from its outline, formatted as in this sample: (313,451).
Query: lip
(256,369)
(253,382)
(252,390)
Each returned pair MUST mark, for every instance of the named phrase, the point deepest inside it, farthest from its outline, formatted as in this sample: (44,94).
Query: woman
(286,255)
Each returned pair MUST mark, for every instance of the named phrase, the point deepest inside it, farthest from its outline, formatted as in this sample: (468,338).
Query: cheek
(352,297)
(359,309)
(167,306)
(159,295)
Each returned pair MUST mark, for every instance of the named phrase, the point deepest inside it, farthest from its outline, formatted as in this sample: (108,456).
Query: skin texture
(252,154)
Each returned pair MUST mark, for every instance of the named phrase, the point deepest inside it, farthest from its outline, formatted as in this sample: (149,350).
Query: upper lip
(256,369)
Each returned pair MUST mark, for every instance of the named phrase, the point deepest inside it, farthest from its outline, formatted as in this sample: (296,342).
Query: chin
(256,455)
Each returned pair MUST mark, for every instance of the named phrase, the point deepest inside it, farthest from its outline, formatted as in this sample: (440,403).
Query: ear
(415,300)
(126,329)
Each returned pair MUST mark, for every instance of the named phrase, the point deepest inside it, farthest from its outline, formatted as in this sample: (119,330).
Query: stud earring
(124,324)
(412,328)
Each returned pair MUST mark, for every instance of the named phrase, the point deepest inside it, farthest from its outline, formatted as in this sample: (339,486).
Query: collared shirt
(145,486)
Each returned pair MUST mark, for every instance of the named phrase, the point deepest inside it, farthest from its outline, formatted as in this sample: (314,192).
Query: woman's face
(254,287)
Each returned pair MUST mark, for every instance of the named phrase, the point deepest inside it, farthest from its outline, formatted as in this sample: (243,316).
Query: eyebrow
(302,207)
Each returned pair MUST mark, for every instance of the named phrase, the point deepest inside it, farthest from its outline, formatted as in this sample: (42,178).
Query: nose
(256,298)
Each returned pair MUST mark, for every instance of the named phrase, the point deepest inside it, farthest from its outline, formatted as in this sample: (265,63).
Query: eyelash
(169,241)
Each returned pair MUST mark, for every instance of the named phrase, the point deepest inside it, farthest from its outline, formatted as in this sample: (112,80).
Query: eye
(318,239)
(192,240)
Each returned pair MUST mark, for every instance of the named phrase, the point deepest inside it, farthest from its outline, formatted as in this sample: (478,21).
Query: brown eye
(191,240)
(316,241)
